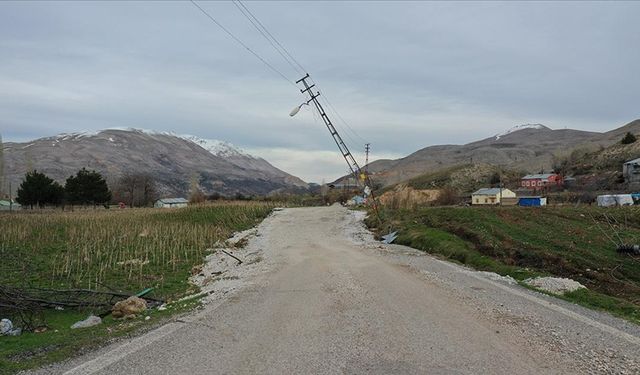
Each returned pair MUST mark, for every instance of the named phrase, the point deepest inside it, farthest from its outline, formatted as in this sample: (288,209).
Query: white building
(631,170)
(171,203)
(491,195)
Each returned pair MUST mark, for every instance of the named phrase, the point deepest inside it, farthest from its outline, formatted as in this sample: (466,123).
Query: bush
(628,139)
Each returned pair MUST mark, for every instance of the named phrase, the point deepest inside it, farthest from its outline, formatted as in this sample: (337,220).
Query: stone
(129,308)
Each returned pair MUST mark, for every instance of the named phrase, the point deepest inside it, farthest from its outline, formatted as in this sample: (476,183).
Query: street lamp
(295,110)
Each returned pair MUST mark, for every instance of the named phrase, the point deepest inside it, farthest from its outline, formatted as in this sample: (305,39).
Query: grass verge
(126,250)
(572,242)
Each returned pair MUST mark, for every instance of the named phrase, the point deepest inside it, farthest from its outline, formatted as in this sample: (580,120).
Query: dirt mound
(403,196)
(555,285)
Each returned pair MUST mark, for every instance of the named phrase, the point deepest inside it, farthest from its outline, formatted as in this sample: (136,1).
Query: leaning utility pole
(346,154)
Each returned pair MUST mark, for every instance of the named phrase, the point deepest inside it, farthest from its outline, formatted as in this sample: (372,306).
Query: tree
(87,187)
(38,189)
(195,194)
(136,189)
(628,139)
(495,179)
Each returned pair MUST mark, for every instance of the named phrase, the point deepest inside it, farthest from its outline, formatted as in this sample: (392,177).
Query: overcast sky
(404,75)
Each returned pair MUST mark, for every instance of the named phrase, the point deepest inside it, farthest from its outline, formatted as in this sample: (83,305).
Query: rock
(15,332)
(554,285)
(129,307)
(91,321)
(147,317)
(5,326)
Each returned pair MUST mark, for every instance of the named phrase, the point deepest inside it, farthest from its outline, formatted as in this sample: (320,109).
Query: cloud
(403,75)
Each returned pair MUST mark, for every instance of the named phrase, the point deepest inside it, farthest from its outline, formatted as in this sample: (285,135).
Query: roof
(542,176)
(5,202)
(173,200)
(487,191)
(634,161)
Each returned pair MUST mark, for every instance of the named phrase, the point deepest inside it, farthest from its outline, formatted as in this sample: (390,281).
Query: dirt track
(326,298)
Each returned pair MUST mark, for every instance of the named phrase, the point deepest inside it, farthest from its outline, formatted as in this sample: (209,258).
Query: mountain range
(174,161)
(529,148)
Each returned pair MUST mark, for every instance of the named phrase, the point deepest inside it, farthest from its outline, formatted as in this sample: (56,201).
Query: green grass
(526,242)
(126,250)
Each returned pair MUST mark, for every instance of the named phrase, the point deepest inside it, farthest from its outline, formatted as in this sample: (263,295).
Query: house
(491,195)
(6,205)
(541,181)
(532,201)
(171,203)
(631,171)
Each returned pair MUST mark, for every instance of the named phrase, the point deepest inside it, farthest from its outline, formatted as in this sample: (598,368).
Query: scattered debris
(197,269)
(91,321)
(234,257)
(389,238)
(628,249)
(555,285)
(5,326)
(162,307)
(129,307)
(496,277)
(147,317)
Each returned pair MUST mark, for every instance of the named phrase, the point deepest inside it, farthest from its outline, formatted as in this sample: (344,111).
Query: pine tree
(87,187)
(37,189)
(628,139)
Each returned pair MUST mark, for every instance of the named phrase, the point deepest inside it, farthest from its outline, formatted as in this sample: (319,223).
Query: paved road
(333,301)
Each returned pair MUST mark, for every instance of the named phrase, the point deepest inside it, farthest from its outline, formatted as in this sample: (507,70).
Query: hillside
(173,161)
(527,148)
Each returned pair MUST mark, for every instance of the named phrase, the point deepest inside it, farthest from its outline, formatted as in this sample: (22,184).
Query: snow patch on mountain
(217,147)
(521,127)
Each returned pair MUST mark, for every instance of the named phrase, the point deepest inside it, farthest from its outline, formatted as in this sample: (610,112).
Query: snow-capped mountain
(521,127)
(173,160)
(216,147)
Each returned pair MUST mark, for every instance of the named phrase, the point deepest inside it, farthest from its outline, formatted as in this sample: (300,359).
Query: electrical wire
(263,31)
(241,43)
(302,69)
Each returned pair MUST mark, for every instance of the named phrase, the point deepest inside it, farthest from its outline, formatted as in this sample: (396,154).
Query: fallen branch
(233,256)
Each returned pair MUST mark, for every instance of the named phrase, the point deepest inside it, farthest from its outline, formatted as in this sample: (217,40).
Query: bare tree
(136,190)
(195,194)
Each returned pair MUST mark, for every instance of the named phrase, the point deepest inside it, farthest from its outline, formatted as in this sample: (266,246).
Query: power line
(241,43)
(290,60)
(342,119)
(263,31)
(302,69)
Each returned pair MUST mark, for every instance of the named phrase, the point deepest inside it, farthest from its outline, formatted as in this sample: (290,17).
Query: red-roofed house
(540,181)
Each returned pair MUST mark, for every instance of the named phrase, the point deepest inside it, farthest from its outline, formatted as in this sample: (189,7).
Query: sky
(402,75)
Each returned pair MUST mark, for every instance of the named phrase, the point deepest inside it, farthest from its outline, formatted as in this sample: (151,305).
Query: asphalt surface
(328,299)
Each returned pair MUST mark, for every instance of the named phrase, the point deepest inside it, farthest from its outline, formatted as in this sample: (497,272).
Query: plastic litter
(389,238)
(5,326)
(91,321)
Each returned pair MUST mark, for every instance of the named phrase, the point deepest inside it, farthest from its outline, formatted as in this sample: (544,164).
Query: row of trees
(85,188)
